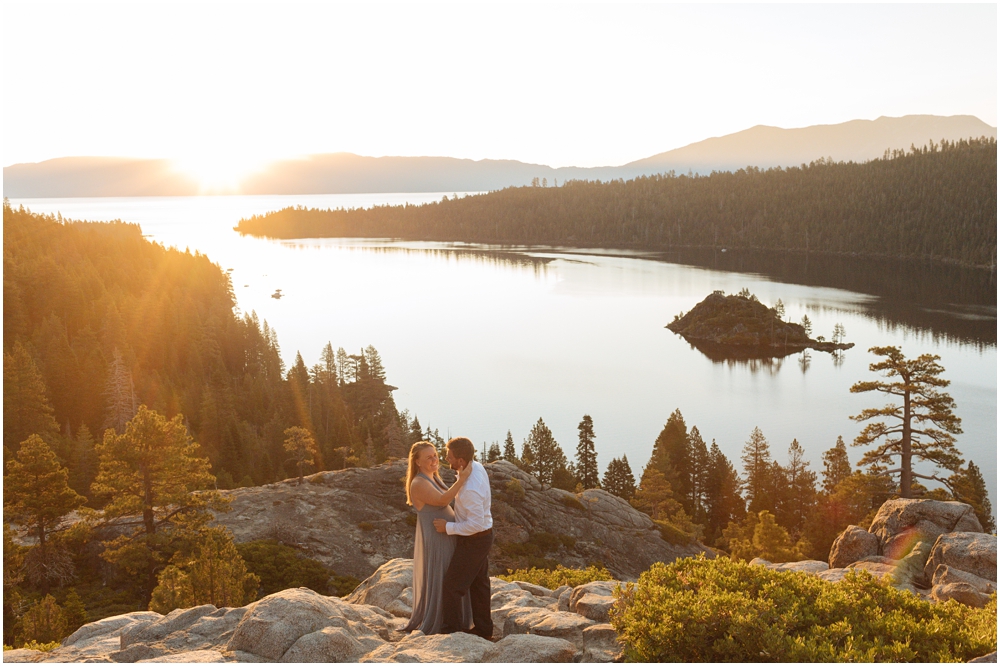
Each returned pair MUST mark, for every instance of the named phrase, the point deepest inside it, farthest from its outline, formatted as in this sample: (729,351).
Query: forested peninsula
(937,203)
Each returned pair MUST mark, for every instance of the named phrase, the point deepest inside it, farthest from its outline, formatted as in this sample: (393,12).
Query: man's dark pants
(469,574)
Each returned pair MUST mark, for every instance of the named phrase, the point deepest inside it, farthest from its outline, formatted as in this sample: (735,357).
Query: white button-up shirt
(472,504)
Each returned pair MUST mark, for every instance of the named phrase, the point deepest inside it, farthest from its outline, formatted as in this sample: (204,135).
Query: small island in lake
(740,326)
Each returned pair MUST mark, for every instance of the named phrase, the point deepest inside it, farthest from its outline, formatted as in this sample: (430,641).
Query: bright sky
(228,84)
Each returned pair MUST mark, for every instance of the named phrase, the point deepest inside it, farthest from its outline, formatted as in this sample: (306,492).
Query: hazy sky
(230,84)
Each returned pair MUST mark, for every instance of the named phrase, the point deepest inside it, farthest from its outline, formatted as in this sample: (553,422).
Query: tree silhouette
(26,408)
(618,478)
(509,453)
(920,427)
(586,455)
(757,473)
(543,452)
(836,465)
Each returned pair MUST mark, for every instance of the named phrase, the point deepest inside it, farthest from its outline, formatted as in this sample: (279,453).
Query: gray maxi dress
(432,553)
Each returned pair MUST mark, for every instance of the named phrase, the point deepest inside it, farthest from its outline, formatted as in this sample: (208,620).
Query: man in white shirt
(469,569)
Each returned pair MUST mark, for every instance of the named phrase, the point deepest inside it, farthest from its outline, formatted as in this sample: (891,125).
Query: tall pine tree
(587,472)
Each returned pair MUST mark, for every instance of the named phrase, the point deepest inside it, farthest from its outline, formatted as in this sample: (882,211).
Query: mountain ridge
(761,146)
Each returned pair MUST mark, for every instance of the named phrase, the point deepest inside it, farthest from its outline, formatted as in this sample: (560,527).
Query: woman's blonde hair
(413,470)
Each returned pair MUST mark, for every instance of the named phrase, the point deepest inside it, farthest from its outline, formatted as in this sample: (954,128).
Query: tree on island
(586,455)
(921,427)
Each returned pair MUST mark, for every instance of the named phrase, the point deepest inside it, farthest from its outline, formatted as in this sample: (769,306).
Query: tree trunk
(43,557)
(906,455)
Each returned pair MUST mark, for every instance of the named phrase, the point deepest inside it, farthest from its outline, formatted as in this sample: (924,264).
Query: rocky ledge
(740,326)
(934,549)
(355,520)
(531,624)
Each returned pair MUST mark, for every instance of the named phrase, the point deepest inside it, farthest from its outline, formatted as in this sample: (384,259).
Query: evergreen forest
(936,203)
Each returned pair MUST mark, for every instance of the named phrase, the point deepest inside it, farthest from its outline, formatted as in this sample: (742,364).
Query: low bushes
(698,610)
(559,576)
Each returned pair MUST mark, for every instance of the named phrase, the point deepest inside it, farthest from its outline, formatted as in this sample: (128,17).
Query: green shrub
(513,492)
(411,519)
(567,541)
(281,567)
(35,645)
(697,610)
(672,534)
(572,502)
(559,576)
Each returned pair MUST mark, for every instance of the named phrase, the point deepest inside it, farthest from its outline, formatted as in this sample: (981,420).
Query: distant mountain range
(760,146)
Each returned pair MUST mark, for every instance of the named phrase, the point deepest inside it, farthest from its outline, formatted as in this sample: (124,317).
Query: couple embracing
(451,580)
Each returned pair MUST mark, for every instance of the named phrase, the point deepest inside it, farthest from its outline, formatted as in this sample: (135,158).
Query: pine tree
(509,454)
(83,467)
(587,471)
(26,408)
(699,474)
(722,493)
(618,478)
(967,485)
(543,452)
(44,622)
(300,443)
(36,494)
(655,497)
(836,465)
(921,427)
(494,453)
(757,476)
(152,470)
(672,456)
(800,497)
(119,394)
(213,572)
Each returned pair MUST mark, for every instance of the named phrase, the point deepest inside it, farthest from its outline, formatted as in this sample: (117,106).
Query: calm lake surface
(480,339)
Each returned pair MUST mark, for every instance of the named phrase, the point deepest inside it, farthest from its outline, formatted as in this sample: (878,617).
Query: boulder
(386,586)
(961,592)
(276,622)
(945,574)
(833,575)
(990,658)
(805,566)
(600,644)
(439,648)
(134,653)
(333,645)
(973,552)
(150,632)
(910,570)
(530,649)
(22,656)
(876,569)
(536,590)
(851,545)
(520,620)
(593,600)
(900,523)
(192,657)
(564,598)
(568,626)
(109,625)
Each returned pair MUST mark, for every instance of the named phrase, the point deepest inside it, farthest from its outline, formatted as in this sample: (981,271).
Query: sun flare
(219,172)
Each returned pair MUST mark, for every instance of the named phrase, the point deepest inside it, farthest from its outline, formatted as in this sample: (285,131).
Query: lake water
(480,340)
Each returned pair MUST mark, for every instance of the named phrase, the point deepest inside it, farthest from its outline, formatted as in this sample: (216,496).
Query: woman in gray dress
(432,550)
